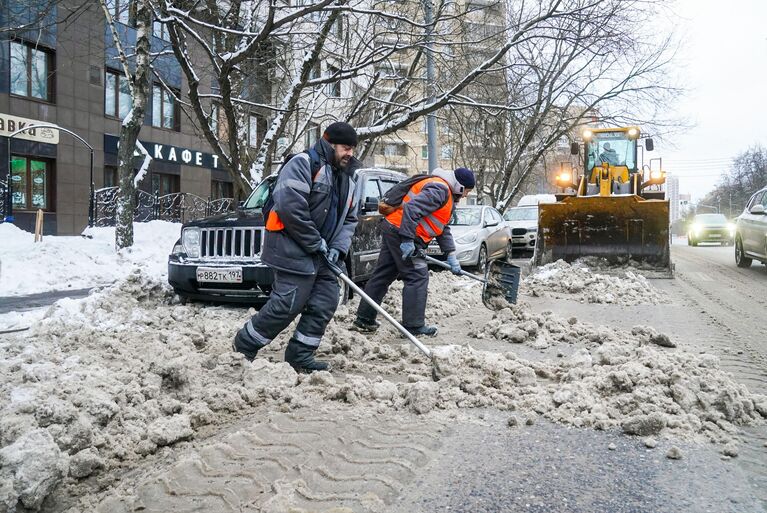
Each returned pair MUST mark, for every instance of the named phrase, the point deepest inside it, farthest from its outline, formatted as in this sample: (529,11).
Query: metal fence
(3,200)
(177,207)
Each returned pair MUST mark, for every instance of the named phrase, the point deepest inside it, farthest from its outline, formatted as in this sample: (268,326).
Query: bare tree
(138,82)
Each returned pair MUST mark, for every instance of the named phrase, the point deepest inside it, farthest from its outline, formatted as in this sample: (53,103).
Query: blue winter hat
(465,177)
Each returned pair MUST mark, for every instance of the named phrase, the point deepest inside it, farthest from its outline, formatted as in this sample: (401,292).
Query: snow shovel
(501,282)
(341,274)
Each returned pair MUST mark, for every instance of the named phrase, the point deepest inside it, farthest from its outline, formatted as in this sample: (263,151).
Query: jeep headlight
(190,239)
(467,238)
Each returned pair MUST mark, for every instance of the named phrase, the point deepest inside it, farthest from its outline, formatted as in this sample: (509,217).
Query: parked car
(710,228)
(523,225)
(218,258)
(479,233)
(751,231)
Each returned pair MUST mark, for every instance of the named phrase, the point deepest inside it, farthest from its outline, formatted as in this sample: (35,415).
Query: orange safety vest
(431,225)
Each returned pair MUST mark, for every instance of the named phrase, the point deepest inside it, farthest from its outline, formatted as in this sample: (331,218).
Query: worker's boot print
(301,357)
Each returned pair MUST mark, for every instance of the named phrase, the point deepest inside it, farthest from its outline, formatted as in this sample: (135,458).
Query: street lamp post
(431,118)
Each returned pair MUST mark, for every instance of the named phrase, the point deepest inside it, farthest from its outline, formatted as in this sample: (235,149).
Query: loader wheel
(740,259)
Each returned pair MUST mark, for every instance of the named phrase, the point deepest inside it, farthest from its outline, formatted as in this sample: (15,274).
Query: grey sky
(725,66)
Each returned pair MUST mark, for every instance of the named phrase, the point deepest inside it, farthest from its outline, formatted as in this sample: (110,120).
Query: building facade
(66,74)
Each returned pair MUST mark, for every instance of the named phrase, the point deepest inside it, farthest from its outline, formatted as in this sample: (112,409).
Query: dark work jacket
(303,203)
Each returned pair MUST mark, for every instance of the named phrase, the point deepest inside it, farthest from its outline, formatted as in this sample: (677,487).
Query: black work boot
(365,326)
(301,358)
(240,346)
(423,331)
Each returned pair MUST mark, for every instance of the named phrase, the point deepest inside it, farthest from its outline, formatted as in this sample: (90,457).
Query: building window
(164,108)
(117,98)
(333,88)
(446,152)
(393,150)
(111,178)
(221,190)
(31,71)
(160,30)
(163,184)
(424,152)
(253,130)
(123,11)
(31,182)
(312,135)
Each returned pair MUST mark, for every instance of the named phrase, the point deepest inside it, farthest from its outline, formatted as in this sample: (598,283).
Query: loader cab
(615,149)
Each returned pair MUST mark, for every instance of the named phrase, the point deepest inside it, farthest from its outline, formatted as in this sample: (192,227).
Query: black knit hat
(465,177)
(340,133)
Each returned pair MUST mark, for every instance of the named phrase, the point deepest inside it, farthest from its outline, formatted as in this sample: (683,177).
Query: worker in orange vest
(423,215)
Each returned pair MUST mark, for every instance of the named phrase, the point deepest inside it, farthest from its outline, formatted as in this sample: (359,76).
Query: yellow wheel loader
(615,210)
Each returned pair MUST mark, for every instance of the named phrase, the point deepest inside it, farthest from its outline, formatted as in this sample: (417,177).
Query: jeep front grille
(230,243)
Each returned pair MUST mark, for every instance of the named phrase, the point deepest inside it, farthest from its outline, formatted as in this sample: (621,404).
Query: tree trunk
(130,128)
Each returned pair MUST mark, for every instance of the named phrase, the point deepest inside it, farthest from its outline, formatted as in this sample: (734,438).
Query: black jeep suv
(218,258)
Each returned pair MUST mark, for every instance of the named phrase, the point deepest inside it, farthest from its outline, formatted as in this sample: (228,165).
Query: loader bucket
(618,228)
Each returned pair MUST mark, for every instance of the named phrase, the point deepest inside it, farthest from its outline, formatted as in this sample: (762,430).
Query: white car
(751,231)
(480,235)
(523,224)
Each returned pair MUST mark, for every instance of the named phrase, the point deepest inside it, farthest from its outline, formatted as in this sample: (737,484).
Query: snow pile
(104,381)
(578,280)
(74,262)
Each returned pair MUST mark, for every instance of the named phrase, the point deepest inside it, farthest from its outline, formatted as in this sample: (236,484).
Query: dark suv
(218,258)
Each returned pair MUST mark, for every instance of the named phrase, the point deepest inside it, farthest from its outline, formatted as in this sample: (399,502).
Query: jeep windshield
(259,196)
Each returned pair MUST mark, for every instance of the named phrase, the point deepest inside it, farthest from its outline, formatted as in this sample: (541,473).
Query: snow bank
(127,371)
(74,262)
(581,282)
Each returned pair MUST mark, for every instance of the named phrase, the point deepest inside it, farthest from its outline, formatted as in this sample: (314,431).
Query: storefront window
(164,111)
(31,71)
(163,184)
(31,181)
(219,190)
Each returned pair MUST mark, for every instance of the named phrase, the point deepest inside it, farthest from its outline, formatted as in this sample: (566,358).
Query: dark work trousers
(414,273)
(315,297)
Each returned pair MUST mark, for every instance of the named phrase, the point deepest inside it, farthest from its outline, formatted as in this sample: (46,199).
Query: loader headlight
(587,135)
(633,133)
(656,175)
(190,239)
(467,238)
(565,177)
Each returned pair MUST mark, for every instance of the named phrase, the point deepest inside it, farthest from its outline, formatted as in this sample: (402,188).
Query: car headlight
(696,228)
(467,238)
(190,239)
(532,229)
(731,228)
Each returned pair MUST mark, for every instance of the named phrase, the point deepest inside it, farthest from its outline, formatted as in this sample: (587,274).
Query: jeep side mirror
(758,210)
(371,204)
(648,144)
(574,148)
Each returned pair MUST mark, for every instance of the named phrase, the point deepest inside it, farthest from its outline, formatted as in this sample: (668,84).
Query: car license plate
(715,235)
(433,251)
(219,274)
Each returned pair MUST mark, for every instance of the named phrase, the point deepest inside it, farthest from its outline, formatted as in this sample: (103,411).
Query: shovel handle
(340,273)
(446,266)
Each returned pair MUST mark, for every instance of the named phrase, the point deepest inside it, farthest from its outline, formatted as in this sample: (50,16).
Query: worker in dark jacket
(313,218)
(424,215)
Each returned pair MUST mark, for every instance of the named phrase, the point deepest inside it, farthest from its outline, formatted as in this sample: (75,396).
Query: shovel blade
(502,284)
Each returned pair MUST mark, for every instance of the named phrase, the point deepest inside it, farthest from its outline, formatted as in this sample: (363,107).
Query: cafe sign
(9,124)
(167,153)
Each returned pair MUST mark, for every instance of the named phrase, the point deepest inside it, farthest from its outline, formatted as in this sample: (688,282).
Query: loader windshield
(613,148)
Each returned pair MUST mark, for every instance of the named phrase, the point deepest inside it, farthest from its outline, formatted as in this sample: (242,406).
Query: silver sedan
(479,233)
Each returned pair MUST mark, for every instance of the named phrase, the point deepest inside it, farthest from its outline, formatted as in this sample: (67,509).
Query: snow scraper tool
(413,340)
(501,282)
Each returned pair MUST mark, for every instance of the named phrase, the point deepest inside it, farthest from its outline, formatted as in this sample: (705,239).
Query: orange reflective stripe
(274,223)
(433,224)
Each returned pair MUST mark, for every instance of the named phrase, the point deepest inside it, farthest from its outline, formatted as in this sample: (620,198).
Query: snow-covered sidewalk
(77,262)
